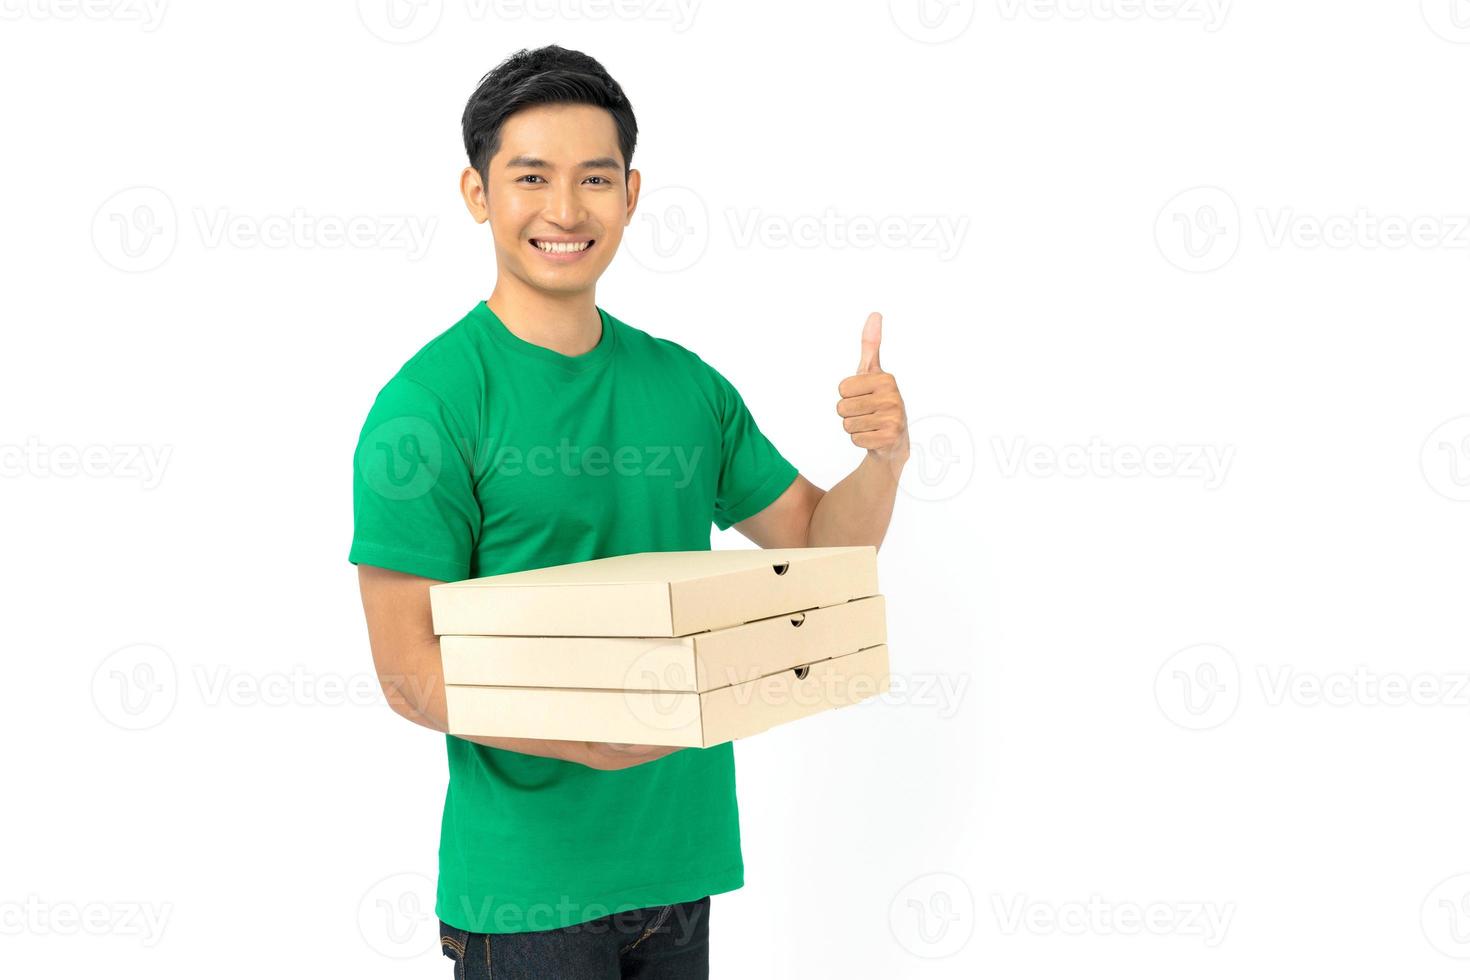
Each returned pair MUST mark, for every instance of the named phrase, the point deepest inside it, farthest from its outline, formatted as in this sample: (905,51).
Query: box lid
(654,593)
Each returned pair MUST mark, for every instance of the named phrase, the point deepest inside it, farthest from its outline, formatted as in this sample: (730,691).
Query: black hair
(545,75)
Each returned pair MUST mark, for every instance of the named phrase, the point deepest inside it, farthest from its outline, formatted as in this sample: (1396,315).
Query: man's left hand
(871,408)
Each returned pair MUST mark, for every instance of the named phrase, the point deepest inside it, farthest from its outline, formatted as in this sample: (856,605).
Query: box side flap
(748,709)
(635,717)
(797,579)
(594,610)
(630,663)
(743,653)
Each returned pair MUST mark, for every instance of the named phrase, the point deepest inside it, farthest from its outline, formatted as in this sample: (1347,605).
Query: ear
(635,182)
(472,189)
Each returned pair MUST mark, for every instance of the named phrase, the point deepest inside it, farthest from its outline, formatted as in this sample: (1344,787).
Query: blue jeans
(664,942)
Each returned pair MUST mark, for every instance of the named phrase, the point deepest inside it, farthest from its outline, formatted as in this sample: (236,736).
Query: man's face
(556,182)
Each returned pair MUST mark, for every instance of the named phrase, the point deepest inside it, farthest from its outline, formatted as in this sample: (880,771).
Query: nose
(565,209)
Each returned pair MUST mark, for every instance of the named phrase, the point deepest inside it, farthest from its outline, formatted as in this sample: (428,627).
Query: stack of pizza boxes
(687,648)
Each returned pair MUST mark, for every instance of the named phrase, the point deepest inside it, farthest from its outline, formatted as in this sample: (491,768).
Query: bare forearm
(409,665)
(421,700)
(429,692)
(545,747)
(858,509)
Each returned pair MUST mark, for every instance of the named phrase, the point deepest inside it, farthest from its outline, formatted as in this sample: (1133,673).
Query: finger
(864,384)
(864,405)
(872,336)
(864,423)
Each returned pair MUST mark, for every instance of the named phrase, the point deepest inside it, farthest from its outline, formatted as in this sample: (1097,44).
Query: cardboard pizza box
(655,593)
(690,648)
(692,719)
(698,662)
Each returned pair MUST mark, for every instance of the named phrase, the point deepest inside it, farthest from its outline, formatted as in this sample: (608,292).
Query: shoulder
(669,354)
(672,360)
(452,359)
(446,373)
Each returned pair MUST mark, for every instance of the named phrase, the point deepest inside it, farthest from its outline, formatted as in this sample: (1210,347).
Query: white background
(1226,701)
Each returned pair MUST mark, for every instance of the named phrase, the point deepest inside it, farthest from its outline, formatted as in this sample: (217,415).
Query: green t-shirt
(485,454)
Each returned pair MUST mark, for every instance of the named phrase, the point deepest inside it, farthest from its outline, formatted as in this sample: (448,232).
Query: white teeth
(562,246)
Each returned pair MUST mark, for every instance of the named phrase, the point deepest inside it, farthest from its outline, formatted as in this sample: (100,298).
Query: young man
(541,430)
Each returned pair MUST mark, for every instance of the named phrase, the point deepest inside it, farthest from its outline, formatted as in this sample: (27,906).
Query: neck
(566,323)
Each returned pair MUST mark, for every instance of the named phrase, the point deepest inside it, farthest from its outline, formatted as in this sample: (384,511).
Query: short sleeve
(753,473)
(414,508)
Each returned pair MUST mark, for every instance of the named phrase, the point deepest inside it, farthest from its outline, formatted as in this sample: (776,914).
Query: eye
(603,179)
(528,177)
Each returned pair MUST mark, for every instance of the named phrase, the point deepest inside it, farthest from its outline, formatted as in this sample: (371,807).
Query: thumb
(872,335)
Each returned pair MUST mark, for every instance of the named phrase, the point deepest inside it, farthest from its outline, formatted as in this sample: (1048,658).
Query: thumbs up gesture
(871,407)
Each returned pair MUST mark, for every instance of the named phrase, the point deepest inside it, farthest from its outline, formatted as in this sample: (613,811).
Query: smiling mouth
(562,248)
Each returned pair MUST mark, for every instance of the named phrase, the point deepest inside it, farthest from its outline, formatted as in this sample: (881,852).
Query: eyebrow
(536,163)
